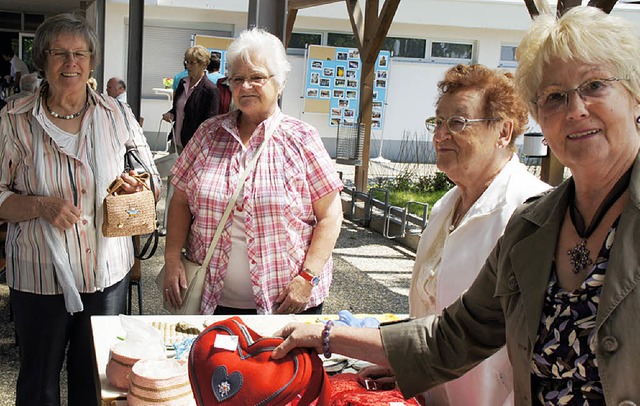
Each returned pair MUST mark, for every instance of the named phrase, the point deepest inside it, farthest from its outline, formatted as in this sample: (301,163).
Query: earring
(500,146)
(545,142)
(638,120)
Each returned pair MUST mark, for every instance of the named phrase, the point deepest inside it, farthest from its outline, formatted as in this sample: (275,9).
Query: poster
(333,84)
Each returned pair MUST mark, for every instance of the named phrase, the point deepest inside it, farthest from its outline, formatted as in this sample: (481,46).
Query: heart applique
(225,385)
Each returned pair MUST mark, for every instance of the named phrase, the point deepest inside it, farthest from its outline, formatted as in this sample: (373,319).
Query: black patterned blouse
(564,367)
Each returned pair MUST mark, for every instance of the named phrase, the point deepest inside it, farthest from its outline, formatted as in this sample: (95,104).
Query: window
(335,39)
(300,40)
(508,56)
(32,21)
(405,47)
(451,52)
(10,21)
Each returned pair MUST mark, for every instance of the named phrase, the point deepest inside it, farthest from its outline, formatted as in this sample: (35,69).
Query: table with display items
(107,331)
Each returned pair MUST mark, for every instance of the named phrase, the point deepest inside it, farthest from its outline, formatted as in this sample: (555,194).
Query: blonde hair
(584,34)
(199,53)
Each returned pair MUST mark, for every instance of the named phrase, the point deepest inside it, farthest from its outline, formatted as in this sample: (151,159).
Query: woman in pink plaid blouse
(274,255)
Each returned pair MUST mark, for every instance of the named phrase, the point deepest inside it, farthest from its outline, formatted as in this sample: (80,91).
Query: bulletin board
(217,46)
(332,84)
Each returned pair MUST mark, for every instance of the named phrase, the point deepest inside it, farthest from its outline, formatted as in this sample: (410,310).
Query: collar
(230,124)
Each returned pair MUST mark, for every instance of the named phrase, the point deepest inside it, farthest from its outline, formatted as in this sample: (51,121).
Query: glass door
(25,44)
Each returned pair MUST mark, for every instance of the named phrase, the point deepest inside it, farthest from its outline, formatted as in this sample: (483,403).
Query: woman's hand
(382,377)
(294,298)
(59,212)
(131,184)
(298,335)
(175,281)
(168,116)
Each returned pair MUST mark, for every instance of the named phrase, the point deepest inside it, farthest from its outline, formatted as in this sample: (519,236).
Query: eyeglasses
(554,99)
(253,80)
(455,124)
(63,54)
(187,62)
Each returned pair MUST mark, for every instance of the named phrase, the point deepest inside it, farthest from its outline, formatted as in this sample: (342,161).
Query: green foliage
(406,187)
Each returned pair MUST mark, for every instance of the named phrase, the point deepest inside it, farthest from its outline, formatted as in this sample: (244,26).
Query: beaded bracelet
(325,338)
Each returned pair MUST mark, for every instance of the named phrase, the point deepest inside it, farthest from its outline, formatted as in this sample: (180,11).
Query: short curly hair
(499,93)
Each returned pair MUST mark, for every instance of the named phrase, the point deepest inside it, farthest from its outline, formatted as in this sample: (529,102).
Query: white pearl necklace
(67,117)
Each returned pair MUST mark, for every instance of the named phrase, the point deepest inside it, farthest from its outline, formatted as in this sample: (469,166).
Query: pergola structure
(370,29)
(370,24)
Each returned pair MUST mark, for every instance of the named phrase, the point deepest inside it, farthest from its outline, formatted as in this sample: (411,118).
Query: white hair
(258,48)
(29,82)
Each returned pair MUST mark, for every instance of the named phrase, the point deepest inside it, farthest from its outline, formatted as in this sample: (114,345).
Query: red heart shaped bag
(222,373)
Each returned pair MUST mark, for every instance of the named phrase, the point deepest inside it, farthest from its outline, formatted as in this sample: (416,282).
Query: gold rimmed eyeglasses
(455,124)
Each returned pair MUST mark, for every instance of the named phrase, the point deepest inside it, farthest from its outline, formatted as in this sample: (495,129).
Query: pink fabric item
(118,369)
(173,390)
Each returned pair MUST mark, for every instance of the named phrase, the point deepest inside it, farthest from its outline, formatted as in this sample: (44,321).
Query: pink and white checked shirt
(293,171)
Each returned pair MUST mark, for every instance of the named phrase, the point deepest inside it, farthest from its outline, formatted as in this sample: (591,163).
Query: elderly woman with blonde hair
(562,286)
(196,98)
(274,255)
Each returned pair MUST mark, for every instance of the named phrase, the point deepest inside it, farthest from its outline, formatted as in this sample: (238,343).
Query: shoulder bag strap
(267,135)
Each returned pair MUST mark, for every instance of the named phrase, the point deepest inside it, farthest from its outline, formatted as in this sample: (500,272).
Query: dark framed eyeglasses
(455,124)
(63,54)
(555,99)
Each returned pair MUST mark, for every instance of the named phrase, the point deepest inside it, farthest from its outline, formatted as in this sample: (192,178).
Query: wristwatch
(314,280)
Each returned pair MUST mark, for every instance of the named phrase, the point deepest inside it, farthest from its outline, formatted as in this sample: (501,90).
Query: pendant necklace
(579,255)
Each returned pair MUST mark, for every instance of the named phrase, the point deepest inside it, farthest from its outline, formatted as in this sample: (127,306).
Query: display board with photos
(333,84)
(217,46)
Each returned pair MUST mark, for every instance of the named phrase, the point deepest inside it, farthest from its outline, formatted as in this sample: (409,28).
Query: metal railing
(406,222)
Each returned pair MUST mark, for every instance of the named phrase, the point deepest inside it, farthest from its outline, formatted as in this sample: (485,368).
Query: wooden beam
(531,8)
(291,19)
(300,4)
(564,5)
(357,22)
(604,5)
(382,28)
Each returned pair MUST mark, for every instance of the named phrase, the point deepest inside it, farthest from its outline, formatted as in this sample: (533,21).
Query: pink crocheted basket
(171,390)
(118,369)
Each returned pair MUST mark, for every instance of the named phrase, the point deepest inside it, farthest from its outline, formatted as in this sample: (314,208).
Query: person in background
(195,100)
(178,76)
(213,70)
(274,255)
(562,286)
(18,68)
(28,85)
(117,89)
(60,149)
(478,118)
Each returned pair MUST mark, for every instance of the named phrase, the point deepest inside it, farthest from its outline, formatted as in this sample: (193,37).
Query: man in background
(28,85)
(18,68)
(117,89)
(213,69)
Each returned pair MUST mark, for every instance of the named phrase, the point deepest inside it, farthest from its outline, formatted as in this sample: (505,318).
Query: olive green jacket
(504,306)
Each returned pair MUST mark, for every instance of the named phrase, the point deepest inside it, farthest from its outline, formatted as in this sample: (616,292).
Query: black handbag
(132,162)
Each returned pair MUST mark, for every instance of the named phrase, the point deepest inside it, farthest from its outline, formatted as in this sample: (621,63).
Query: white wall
(411,85)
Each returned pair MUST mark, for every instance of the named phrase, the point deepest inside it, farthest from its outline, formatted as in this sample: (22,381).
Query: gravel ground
(371,275)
